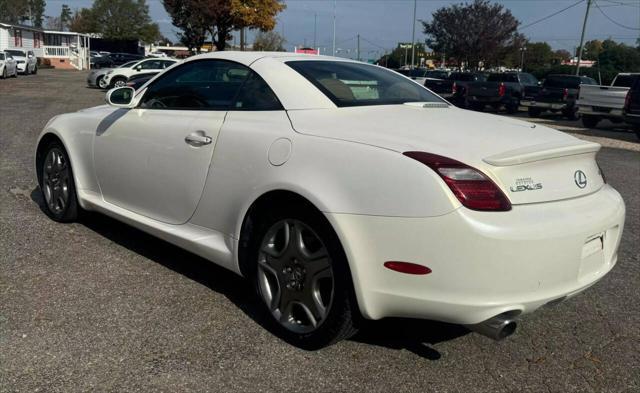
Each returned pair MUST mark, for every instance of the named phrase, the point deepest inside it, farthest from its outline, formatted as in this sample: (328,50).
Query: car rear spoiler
(541,152)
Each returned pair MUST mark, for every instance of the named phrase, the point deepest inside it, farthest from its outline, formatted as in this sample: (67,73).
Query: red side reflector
(407,267)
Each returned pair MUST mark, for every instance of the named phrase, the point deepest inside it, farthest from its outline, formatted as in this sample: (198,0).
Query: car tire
(534,112)
(118,81)
(590,121)
(475,106)
(15,73)
(571,113)
(4,73)
(512,108)
(55,177)
(293,288)
(35,69)
(100,82)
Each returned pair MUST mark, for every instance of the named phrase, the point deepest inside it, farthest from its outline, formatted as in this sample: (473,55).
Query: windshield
(624,80)
(437,74)
(564,82)
(354,84)
(16,53)
(1,56)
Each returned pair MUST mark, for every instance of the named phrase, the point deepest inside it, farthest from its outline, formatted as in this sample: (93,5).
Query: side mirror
(120,97)
(30,56)
(138,68)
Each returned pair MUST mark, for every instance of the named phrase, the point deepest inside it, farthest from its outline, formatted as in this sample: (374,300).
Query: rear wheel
(571,113)
(57,185)
(512,108)
(302,278)
(534,112)
(35,69)
(590,121)
(4,73)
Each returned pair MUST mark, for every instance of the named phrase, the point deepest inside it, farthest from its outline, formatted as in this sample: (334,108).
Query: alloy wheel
(55,180)
(295,276)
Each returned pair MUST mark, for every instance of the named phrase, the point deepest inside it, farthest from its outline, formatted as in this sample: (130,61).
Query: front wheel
(102,83)
(118,81)
(571,113)
(590,121)
(302,278)
(57,185)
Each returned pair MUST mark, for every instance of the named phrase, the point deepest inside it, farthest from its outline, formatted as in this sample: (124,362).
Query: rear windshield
(463,76)
(563,82)
(502,78)
(354,84)
(624,80)
(437,74)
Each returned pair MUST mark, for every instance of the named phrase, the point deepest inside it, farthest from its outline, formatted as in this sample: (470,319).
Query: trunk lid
(530,163)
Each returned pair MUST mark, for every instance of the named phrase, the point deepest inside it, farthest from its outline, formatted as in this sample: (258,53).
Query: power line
(613,21)
(551,16)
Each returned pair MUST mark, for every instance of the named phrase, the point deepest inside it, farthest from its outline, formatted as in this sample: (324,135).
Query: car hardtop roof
(247,58)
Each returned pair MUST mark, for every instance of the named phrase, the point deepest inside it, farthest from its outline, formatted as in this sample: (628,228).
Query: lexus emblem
(580,179)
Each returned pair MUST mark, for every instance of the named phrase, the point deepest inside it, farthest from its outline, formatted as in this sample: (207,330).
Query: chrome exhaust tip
(497,328)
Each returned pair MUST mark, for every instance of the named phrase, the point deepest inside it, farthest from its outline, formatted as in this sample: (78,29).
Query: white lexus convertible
(341,190)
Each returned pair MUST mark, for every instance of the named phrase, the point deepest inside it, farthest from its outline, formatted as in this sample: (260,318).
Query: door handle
(198,139)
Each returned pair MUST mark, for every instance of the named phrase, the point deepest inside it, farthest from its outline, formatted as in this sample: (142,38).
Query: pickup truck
(558,93)
(454,88)
(632,107)
(500,89)
(597,102)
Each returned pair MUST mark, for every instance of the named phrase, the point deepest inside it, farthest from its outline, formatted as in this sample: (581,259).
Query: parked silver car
(96,77)
(8,66)
(26,61)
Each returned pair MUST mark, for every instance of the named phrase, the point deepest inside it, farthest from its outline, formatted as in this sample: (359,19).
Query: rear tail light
(627,102)
(502,90)
(565,94)
(454,88)
(472,187)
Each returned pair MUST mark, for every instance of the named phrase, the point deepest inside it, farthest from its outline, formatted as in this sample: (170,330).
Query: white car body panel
(126,72)
(8,66)
(135,166)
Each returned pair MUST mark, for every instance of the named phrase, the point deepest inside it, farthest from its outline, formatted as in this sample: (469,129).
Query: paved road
(97,305)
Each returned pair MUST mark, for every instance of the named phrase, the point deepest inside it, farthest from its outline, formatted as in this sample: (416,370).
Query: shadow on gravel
(394,333)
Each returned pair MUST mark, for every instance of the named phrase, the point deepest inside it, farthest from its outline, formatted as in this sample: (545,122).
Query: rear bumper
(491,100)
(543,105)
(589,110)
(483,263)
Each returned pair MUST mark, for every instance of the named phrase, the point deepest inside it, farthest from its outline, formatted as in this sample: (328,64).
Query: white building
(60,49)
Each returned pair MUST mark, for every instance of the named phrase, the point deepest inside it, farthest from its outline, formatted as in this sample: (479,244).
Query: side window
(255,95)
(151,65)
(196,85)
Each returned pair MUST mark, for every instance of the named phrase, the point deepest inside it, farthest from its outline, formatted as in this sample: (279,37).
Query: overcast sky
(383,23)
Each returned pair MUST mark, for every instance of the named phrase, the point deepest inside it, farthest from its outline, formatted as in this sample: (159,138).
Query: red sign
(309,51)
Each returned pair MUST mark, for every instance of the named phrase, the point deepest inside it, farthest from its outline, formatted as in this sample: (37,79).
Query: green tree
(117,19)
(617,57)
(479,32)
(268,41)
(12,11)
(36,12)
(185,16)
(65,17)
(223,16)
(592,50)
(401,55)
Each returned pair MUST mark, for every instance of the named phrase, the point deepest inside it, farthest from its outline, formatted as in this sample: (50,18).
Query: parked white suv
(26,61)
(118,77)
(8,65)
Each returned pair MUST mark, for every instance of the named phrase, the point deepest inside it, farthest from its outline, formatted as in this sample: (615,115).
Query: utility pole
(413,34)
(584,28)
(334,27)
(523,49)
(358,49)
(315,29)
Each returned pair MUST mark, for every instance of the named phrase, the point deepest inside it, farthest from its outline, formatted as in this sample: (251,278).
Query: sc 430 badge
(525,184)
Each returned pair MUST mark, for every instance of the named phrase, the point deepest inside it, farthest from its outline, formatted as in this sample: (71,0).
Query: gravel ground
(99,306)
